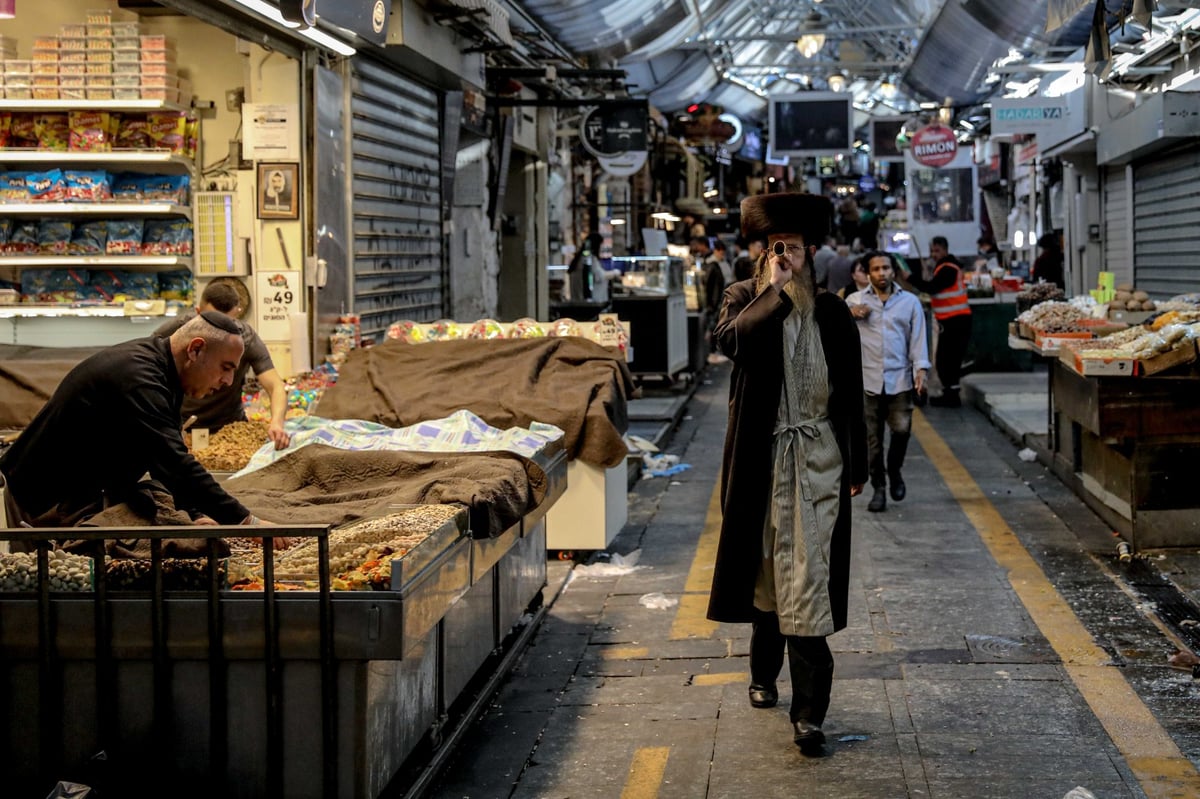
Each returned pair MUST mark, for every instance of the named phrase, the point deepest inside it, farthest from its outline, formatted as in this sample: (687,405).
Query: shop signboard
(367,19)
(934,146)
(623,165)
(615,128)
(1027,115)
(278,297)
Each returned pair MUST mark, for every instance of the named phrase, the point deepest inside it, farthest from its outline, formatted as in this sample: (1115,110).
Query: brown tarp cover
(318,484)
(29,375)
(569,382)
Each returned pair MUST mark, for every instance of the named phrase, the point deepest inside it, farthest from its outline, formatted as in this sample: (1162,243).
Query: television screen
(813,123)
(884,131)
(752,144)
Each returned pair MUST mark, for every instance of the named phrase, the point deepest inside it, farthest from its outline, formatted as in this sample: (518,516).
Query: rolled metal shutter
(1166,224)
(1118,238)
(398,269)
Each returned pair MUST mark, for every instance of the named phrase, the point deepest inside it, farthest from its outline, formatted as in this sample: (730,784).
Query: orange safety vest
(951,301)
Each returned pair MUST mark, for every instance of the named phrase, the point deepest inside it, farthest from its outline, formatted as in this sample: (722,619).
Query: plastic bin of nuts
(377,552)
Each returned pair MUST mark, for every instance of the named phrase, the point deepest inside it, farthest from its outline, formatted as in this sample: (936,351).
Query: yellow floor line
(690,616)
(646,773)
(722,678)
(1155,760)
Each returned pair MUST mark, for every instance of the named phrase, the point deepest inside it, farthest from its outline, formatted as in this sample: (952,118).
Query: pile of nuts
(68,572)
(390,536)
(1057,317)
(231,447)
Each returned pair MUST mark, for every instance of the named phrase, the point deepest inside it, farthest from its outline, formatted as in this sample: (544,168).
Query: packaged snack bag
(52,131)
(13,188)
(21,131)
(127,186)
(133,134)
(124,236)
(46,186)
(23,240)
(88,238)
(53,236)
(168,130)
(87,187)
(90,131)
(167,237)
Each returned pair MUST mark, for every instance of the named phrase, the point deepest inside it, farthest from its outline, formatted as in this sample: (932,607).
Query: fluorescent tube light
(312,34)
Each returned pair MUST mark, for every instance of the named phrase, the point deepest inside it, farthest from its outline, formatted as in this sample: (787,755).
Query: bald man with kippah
(59,472)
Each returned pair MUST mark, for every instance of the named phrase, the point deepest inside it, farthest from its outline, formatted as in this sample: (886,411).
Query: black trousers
(810,665)
(895,412)
(953,336)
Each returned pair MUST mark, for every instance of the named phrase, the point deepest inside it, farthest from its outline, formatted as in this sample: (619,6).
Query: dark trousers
(894,411)
(810,664)
(953,335)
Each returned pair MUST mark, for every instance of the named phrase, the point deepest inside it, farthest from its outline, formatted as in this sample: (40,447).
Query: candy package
(53,285)
(124,236)
(23,240)
(90,131)
(6,229)
(133,134)
(52,131)
(168,131)
(13,188)
(21,133)
(88,187)
(46,186)
(175,285)
(127,186)
(5,129)
(116,285)
(88,238)
(168,188)
(167,237)
(53,236)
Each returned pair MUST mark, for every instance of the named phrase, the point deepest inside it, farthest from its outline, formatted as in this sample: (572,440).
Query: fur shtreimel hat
(810,215)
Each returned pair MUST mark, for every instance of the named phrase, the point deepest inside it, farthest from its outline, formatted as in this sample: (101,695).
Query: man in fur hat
(795,452)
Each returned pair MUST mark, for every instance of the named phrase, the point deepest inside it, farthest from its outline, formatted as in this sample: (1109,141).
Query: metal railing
(91,542)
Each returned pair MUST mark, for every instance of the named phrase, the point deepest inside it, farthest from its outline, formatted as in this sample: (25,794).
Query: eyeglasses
(791,250)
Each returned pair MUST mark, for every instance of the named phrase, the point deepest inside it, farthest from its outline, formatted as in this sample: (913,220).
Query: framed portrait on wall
(278,195)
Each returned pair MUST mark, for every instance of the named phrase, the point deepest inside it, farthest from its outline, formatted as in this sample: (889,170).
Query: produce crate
(1168,360)
(1050,342)
(1130,317)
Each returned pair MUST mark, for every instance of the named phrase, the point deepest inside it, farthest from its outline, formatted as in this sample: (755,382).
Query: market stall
(1124,421)
(574,384)
(345,651)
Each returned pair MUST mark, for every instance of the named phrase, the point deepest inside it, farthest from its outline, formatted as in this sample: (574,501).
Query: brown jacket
(750,332)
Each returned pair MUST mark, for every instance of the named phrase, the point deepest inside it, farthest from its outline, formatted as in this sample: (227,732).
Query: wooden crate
(1168,360)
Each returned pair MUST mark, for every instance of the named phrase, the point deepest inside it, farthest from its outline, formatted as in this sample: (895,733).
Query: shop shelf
(163,161)
(95,209)
(90,105)
(130,263)
(60,311)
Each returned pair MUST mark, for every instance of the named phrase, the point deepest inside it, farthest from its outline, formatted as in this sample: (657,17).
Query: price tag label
(199,438)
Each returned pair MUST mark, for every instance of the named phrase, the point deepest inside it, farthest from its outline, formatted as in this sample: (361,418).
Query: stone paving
(944,686)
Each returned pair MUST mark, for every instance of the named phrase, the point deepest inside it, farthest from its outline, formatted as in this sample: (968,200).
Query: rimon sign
(934,145)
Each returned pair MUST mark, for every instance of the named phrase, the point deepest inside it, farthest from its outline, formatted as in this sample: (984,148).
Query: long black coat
(750,332)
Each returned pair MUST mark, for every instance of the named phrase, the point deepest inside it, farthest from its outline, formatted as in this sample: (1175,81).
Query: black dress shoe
(808,737)
(763,695)
(878,501)
(898,490)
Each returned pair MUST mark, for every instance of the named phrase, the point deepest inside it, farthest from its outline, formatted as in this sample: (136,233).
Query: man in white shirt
(895,360)
(821,262)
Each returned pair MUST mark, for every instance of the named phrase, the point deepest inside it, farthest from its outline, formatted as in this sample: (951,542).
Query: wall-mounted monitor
(884,131)
(752,144)
(811,123)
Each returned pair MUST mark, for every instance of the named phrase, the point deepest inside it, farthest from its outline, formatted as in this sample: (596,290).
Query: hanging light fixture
(811,43)
(8,9)
(837,82)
